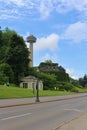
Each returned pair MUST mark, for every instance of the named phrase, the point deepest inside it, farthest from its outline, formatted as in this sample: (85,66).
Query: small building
(45,67)
(30,82)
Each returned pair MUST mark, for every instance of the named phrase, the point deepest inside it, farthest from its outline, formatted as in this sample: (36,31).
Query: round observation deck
(31,39)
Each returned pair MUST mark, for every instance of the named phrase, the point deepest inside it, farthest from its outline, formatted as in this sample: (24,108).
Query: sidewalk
(79,123)
(28,101)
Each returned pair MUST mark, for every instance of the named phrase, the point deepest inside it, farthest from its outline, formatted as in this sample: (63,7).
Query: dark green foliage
(32,71)
(75,82)
(7,70)
(52,73)
(47,63)
(58,80)
(49,80)
(85,85)
(0,37)
(5,41)
(53,68)
(66,86)
(83,81)
(18,57)
(61,68)
(14,52)
(3,78)
(61,75)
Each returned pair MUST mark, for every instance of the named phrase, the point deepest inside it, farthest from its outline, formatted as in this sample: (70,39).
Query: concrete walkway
(29,101)
(79,123)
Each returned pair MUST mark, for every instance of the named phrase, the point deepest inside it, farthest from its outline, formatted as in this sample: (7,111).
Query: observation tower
(31,39)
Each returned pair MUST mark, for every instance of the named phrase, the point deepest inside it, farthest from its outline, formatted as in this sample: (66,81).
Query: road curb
(32,103)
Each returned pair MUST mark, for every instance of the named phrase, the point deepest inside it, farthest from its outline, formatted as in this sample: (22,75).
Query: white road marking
(12,117)
(77,110)
(5,112)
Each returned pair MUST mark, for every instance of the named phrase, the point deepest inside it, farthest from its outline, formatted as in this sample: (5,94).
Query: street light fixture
(37,89)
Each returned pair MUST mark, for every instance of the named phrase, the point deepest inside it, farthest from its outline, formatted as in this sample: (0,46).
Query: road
(44,116)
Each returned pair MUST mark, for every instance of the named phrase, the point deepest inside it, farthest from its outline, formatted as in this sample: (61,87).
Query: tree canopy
(14,52)
(83,81)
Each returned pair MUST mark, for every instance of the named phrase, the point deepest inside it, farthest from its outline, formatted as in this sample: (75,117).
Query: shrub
(3,78)
(6,70)
(64,86)
(74,89)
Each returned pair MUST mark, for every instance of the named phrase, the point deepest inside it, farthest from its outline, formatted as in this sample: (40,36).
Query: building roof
(31,38)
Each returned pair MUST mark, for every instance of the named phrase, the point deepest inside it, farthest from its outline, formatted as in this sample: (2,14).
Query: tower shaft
(31,54)
(31,39)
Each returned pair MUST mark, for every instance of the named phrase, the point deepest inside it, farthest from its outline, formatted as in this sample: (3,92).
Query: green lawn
(15,92)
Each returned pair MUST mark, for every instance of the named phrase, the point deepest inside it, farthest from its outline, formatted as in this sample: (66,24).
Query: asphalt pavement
(79,123)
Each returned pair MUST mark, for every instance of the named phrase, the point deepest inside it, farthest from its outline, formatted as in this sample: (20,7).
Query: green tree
(49,80)
(5,40)
(75,82)
(83,81)
(0,37)
(52,73)
(14,52)
(7,71)
(18,57)
(3,78)
(61,75)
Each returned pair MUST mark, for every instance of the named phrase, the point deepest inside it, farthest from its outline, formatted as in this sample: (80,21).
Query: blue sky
(60,27)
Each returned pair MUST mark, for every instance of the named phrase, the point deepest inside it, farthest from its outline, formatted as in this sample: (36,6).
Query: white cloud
(50,42)
(16,8)
(71,73)
(15,2)
(67,5)
(76,32)
(20,3)
(6,15)
(48,56)
(45,7)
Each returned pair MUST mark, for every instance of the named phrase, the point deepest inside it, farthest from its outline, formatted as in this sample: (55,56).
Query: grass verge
(15,92)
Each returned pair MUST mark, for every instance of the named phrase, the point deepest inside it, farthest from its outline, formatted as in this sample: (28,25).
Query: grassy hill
(16,92)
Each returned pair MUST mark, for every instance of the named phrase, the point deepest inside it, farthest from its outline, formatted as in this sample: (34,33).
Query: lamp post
(37,89)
